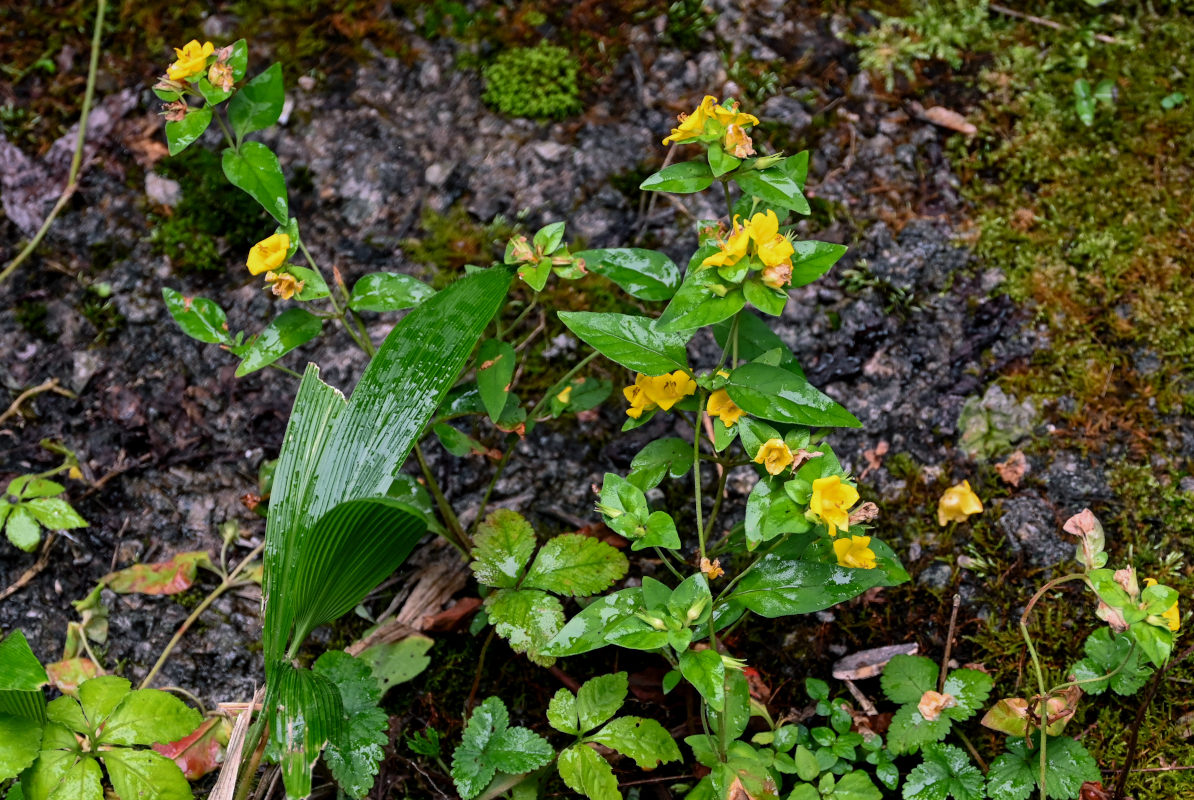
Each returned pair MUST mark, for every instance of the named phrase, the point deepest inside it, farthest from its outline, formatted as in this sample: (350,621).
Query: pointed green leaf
(30,486)
(181,134)
(644,740)
(813,259)
(22,529)
(683,178)
(198,317)
(588,630)
(495,368)
(258,104)
(398,662)
(645,274)
(576,565)
(388,291)
(856,785)
(20,671)
(945,772)
(561,712)
(669,456)
(706,672)
(696,305)
(54,513)
(775,187)
(598,699)
(292,328)
(634,342)
(307,713)
(145,716)
(255,169)
(776,394)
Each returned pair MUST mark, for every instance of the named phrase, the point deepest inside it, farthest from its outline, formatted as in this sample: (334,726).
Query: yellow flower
(854,552)
(565,395)
(958,503)
(636,395)
(192,58)
(729,115)
(667,390)
(692,125)
(737,143)
(720,405)
(1172,616)
(268,254)
(831,503)
(283,284)
(773,248)
(775,456)
(731,250)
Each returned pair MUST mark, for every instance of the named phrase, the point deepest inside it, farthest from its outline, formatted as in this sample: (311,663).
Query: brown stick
(46,386)
(42,560)
(1048,23)
(949,644)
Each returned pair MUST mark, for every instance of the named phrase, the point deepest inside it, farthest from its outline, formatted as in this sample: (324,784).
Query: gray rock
(935,576)
(1031,528)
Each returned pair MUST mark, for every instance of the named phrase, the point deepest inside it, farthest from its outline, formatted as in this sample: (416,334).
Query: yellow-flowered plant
(269,254)
(192,60)
(716,122)
(775,456)
(831,503)
(853,552)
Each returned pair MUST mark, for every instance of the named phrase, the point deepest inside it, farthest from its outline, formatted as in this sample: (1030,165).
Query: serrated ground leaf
(517,750)
(644,740)
(1011,778)
(573,564)
(355,755)
(199,753)
(489,744)
(1106,654)
(145,775)
(946,770)
(910,730)
(149,716)
(527,619)
(172,576)
(970,689)
(588,773)
(20,671)
(502,547)
(906,678)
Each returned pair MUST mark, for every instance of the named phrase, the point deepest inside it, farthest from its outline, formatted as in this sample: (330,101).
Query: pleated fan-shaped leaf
(21,679)
(308,714)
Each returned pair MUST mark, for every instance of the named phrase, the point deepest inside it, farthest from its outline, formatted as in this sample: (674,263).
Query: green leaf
(588,630)
(970,689)
(255,169)
(587,773)
(489,744)
(660,532)
(182,133)
(387,291)
(548,238)
(1106,653)
(705,670)
(769,301)
(258,104)
(144,774)
(22,529)
(54,513)
(307,713)
(813,259)
(65,711)
(906,678)
(561,712)
(63,775)
(696,305)
(20,741)
(502,547)
(776,394)
(398,662)
(796,168)
(946,771)
(804,791)
(576,565)
(632,341)
(198,317)
(774,187)
(599,699)
(669,456)
(644,740)
(721,162)
(684,178)
(1014,774)
(366,539)
(355,755)
(856,785)
(314,286)
(30,486)
(779,585)
(144,716)
(20,671)
(527,619)
(455,441)
(755,338)
(770,513)
(623,505)
(292,328)
(100,696)
(495,368)
(910,730)
(645,274)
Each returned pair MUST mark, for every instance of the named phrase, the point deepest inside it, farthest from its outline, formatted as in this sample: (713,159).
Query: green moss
(213,222)
(452,239)
(31,315)
(539,82)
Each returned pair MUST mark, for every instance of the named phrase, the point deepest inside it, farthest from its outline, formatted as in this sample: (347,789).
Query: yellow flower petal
(831,501)
(268,254)
(854,552)
(192,59)
(957,503)
(775,456)
(721,406)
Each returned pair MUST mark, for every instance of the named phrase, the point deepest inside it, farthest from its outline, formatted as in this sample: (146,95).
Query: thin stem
(973,750)
(949,644)
(497,473)
(362,343)
(458,537)
(1073,576)
(224,127)
(523,315)
(667,562)
(725,185)
(567,377)
(696,474)
(1040,680)
(472,695)
(227,583)
(287,370)
(76,162)
(721,490)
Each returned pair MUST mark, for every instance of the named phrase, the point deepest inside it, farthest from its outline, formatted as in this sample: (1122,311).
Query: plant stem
(472,695)
(973,750)
(1040,680)
(362,343)
(667,562)
(497,473)
(459,538)
(227,583)
(721,490)
(224,127)
(949,643)
(567,377)
(696,475)
(76,162)
(1122,780)
(1073,576)
(725,186)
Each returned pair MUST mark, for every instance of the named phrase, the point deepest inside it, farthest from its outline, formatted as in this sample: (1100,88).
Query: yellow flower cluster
(192,60)
(957,503)
(717,119)
(772,250)
(269,256)
(1172,616)
(663,391)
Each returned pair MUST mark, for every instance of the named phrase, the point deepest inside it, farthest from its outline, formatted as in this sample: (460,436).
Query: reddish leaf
(164,577)
(67,675)
(1093,790)
(200,753)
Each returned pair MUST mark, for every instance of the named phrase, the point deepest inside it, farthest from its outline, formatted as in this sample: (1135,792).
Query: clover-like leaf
(1067,766)
(906,678)
(945,772)
(146,716)
(355,755)
(573,564)
(502,547)
(489,744)
(1106,654)
(644,740)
